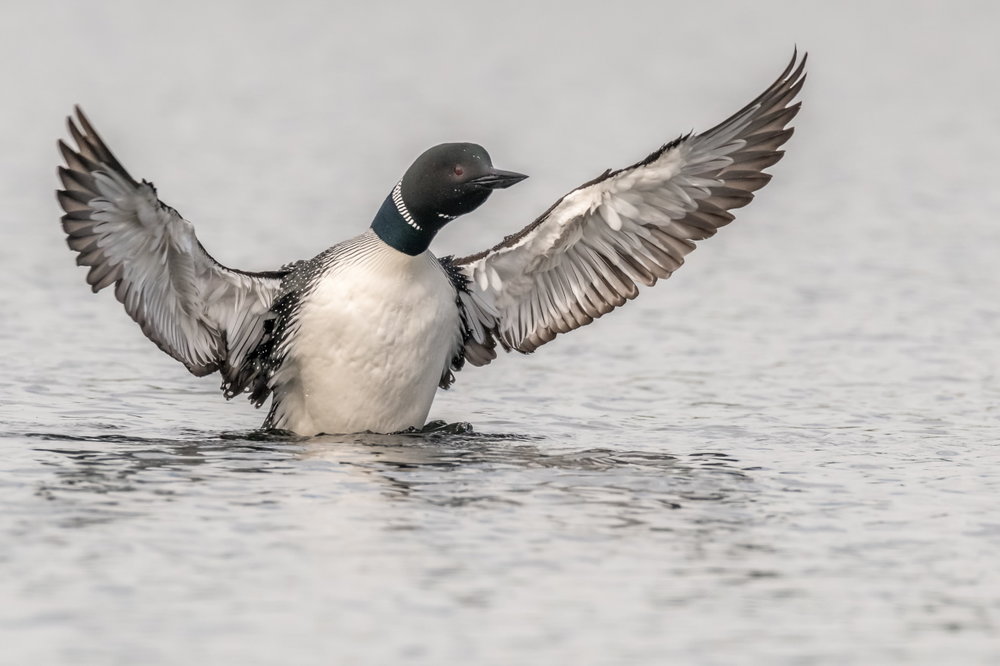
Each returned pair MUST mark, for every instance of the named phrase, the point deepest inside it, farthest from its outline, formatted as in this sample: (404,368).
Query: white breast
(372,341)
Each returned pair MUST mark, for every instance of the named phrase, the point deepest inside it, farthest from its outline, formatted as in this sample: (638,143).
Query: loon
(360,337)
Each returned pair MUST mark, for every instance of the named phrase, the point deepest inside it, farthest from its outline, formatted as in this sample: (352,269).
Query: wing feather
(584,256)
(201,313)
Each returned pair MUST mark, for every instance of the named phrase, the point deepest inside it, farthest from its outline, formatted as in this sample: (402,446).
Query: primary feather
(201,313)
(584,256)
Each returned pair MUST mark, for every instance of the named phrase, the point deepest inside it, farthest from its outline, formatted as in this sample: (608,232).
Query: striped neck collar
(395,225)
(397,199)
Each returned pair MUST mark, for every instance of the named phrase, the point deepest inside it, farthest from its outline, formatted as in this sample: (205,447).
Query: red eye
(459,171)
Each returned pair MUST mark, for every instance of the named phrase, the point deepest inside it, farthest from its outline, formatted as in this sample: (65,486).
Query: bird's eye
(459,171)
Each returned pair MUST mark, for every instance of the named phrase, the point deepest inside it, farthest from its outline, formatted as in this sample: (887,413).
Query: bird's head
(452,179)
(446,181)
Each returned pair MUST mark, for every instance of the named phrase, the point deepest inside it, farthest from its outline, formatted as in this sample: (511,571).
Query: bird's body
(360,337)
(374,336)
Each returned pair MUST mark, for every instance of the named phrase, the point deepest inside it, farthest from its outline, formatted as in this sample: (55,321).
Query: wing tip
(91,152)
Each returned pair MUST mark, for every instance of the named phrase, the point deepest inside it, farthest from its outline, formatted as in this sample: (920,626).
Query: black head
(447,181)
(452,179)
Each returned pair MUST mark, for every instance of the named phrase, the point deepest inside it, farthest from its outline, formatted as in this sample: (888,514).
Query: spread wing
(203,314)
(584,256)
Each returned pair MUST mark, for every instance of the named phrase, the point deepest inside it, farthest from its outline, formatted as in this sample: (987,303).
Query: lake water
(785,454)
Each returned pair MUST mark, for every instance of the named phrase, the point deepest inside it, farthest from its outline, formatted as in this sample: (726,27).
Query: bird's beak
(498,179)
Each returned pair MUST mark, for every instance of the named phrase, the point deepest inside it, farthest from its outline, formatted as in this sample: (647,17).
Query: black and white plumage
(201,313)
(583,257)
(361,336)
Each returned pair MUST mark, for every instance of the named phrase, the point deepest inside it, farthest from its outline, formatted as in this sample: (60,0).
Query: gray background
(786,454)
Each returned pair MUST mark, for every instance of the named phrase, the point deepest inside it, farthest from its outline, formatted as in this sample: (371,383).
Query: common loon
(360,337)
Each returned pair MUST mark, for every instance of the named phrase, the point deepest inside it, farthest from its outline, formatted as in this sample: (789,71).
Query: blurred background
(786,454)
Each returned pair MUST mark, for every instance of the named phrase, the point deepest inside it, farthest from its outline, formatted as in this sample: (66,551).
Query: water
(786,454)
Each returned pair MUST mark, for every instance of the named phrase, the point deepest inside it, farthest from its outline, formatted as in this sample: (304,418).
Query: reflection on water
(433,466)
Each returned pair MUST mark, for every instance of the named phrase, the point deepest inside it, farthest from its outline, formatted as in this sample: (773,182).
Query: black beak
(498,179)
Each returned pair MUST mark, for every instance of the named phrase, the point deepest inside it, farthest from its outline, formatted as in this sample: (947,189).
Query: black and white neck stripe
(397,228)
(397,199)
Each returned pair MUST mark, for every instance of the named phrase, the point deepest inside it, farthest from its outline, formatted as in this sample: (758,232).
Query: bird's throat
(400,231)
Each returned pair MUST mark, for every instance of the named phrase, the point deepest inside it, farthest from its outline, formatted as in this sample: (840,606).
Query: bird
(360,337)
